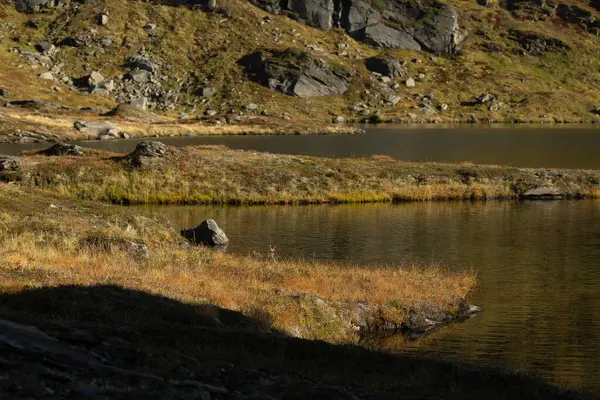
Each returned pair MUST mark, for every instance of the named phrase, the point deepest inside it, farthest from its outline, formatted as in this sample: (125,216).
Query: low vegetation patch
(209,174)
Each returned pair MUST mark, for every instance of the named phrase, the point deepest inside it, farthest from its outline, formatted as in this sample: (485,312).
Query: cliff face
(534,60)
(418,25)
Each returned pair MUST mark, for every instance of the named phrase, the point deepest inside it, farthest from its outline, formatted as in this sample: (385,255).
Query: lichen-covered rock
(207,233)
(295,73)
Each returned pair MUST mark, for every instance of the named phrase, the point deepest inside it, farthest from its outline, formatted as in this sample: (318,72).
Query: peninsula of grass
(218,175)
(49,242)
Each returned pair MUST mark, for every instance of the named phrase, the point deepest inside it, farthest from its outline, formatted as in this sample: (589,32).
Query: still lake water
(538,265)
(571,146)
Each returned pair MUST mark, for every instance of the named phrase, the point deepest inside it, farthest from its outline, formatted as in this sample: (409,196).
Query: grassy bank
(48,242)
(220,175)
(56,125)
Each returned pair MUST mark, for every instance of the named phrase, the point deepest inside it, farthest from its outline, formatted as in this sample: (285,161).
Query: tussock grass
(214,174)
(81,244)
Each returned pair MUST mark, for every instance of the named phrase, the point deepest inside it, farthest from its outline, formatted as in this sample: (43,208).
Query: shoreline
(22,126)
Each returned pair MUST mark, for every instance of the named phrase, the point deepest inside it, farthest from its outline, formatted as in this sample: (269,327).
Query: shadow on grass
(156,325)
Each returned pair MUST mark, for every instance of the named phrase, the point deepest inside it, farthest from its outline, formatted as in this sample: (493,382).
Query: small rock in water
(207,233)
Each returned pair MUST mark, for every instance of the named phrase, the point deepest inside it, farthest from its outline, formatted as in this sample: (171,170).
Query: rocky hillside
(321,60)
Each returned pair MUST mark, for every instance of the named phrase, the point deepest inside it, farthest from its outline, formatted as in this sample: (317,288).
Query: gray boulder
(295,73)
(149,148)
(140,62)
(207,233)
(139,75)
(383,36)
(46,48)
(139,103)
(146,152)
(97,128)
(386,65)
(8,167)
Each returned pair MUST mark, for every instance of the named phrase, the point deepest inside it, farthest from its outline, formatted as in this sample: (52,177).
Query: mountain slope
(537,62)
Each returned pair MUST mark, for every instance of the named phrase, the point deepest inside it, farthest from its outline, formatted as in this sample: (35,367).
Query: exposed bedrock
(428,25)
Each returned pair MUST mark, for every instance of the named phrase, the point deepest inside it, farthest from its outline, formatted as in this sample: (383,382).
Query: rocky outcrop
(577,15)
(295,73)
(32,6)
(417,25)
(207,233)
(536,44)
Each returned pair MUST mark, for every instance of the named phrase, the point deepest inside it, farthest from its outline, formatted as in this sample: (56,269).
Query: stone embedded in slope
(536,44)
(386,65)
(295,73)
(383,36)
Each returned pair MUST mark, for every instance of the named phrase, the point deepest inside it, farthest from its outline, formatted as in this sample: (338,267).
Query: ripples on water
(538,269)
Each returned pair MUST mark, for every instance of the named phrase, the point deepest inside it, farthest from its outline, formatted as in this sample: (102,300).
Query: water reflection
(538,266)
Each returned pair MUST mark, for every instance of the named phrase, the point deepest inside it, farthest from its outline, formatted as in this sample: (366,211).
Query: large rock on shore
(63,149)
(8,167)
(421,24)
(147,151)
(295,73)
(207,233)
(98,128)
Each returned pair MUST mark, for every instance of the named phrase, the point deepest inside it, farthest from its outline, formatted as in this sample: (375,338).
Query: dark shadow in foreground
(109,342)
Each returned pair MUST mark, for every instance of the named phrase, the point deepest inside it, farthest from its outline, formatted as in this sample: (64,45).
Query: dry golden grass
(47,247)
(60,126)
(213,174)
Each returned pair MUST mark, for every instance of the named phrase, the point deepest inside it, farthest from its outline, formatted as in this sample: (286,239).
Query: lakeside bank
(158,174)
